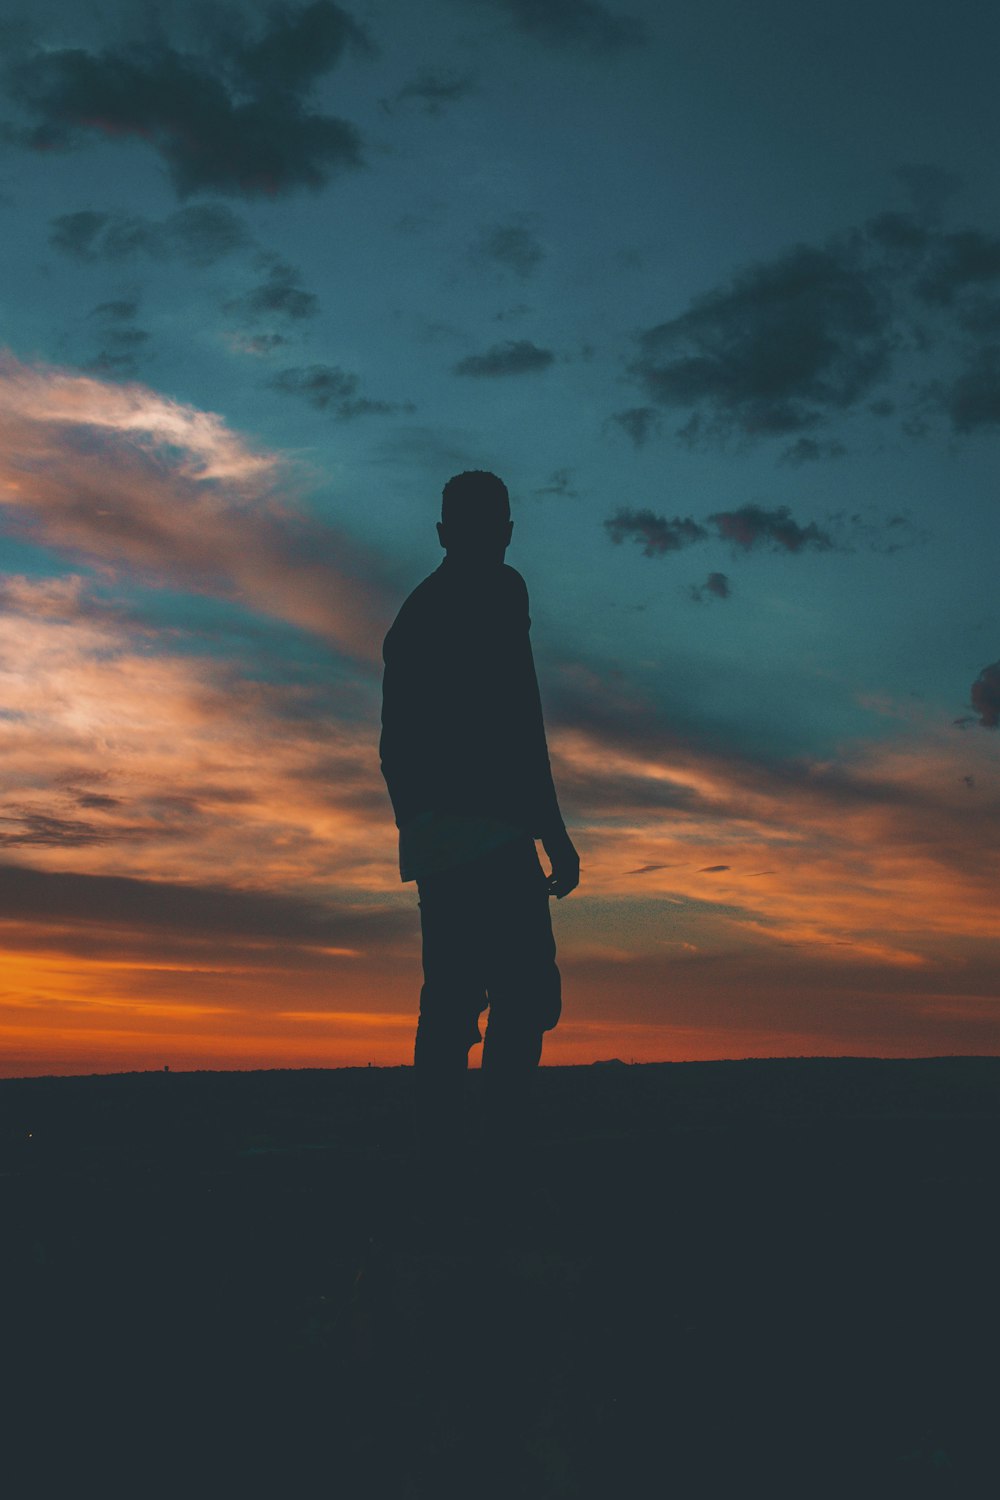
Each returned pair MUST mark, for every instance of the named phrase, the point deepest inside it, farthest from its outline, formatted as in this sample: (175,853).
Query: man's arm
(548,824)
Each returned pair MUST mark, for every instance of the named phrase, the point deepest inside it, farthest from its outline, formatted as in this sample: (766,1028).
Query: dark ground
(775,1278)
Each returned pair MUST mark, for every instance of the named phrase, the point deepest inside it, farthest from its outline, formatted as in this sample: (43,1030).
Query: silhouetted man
(464,757)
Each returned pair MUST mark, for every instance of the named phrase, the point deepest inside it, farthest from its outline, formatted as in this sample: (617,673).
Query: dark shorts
(487,941)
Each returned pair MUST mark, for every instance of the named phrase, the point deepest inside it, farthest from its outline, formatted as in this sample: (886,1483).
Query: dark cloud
(639,423)
(985,696)
(558,484)
(712,869)
(515,357)
(98,800)
(967,258)
(122,310)
(807,450)
(572,23)
(716,586)
(746,527)
(512,245)
(432,91)
(328,388)
(656,533)
(647,869)
(198,912)
(199,234)
(785,344)
(121,341)
(751,525)
(789,344)
(33,828)
(972,399)
(234,120)
(276,296)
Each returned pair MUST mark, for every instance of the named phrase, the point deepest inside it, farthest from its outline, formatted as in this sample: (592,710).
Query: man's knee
(446,1028)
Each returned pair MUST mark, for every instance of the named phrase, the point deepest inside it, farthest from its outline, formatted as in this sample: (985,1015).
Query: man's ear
(441,536)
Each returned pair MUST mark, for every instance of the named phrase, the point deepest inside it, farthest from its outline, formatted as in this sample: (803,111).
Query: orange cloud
(127,479)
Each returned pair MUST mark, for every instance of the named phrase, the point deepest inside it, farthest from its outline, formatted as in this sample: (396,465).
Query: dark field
(773,1278)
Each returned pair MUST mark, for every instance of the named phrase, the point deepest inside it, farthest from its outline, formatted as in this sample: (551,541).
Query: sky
(715,288)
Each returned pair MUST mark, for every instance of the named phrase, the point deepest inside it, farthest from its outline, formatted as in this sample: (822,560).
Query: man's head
(475,524)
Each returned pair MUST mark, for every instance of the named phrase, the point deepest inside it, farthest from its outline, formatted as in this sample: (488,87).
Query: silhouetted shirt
(463,748)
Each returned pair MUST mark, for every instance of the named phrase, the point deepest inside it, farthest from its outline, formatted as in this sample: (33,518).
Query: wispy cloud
(199,234)
(128,479)
(515,357)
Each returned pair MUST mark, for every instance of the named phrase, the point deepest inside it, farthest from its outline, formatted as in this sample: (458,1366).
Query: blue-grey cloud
(121,341)
(558,483)
(972,399)
(431,91)
(277,295)
(716,586)
(639,423)
(807,450)
(572,23)
(747,528)
(752,525)
(962,260)
(232,120)
(199,233)
(784,344)
(515,357)
(330,389)
(656,533)
(512,245)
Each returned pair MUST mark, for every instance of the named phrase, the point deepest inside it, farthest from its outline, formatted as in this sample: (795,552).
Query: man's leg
(451,998)
(524,988)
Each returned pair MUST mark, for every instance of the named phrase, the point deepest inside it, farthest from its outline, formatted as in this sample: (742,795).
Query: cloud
(786,343)
(967,258)
(716,586)
(199,234)
(806,450)
(233,120)
(747,528)
(328,388)
(751,525)
(573,23)
(432,91)
(186,910)
(558,484)
(639,423)
(515,357)
(133,749)
(512,245)
(712,869)
(120,339)
(129,479)
(276,296)
(972,399)
(985,696)
(795,342)
(656,533)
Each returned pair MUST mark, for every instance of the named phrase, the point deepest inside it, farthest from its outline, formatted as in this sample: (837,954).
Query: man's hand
(565,876)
